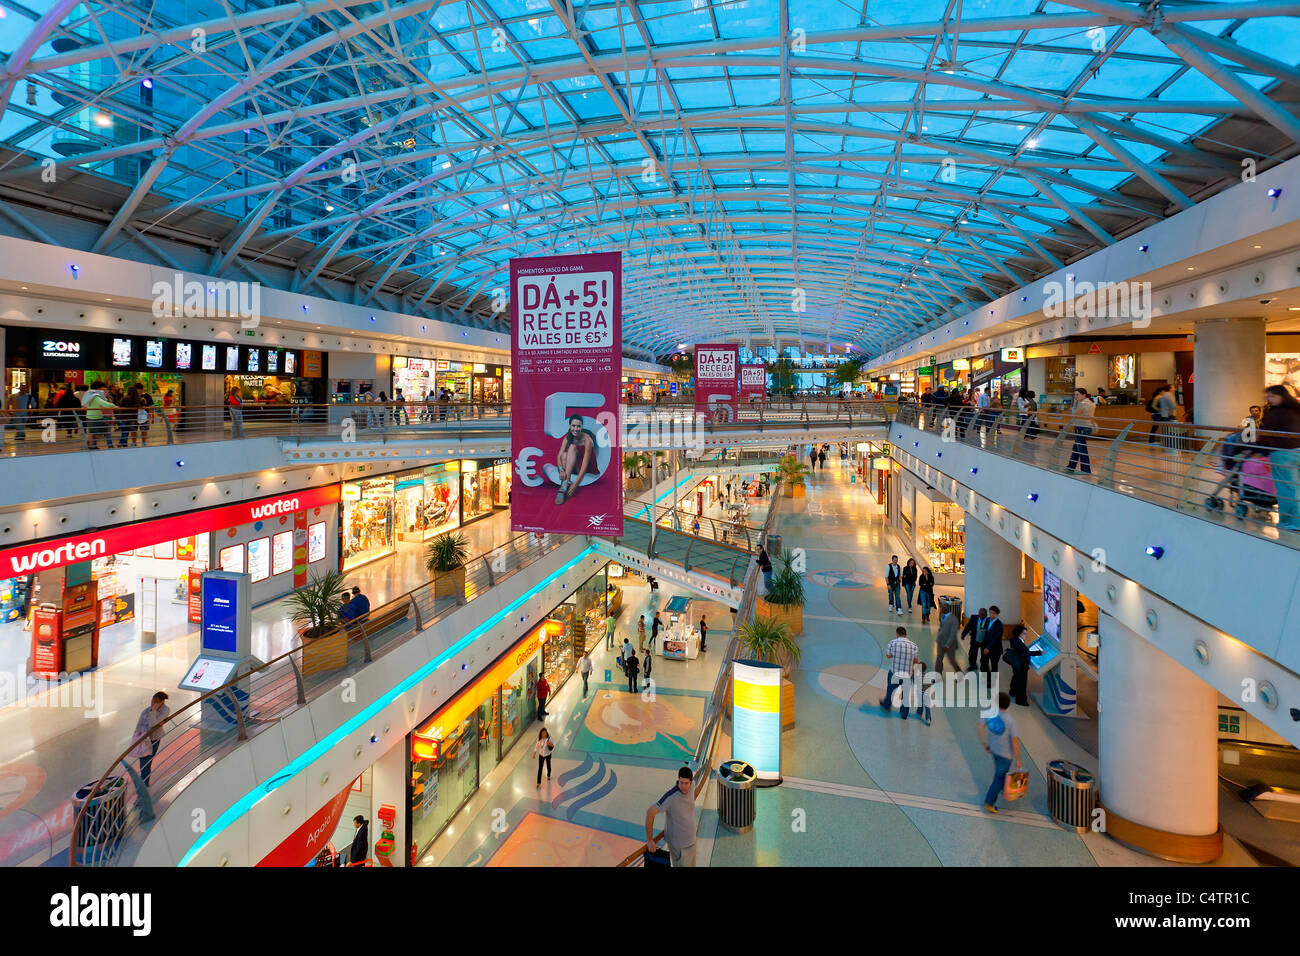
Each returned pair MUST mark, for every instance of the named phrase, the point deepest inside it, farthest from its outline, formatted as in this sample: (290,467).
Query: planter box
(635,484)
(449,584)
(787,704)
(791,615)
(327,653)
(794,491)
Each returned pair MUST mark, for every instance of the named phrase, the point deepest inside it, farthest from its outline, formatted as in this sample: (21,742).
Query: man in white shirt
(584,668)
(1084,410)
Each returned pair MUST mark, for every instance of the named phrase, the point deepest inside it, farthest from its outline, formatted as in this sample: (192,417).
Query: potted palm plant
(769,640)
(784,599)
(632,462)
(793,472)
(445,562)
(315,610)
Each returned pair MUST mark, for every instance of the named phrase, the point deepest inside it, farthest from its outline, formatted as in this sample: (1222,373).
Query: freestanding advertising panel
(756,718)
(566,324)
(715,381)
(753,385)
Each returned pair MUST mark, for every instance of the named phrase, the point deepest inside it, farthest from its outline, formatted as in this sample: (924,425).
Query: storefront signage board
(753,383)
(26,559)
(450,717)
(566,355)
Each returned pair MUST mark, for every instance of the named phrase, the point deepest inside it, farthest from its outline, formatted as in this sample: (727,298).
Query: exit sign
(250,332)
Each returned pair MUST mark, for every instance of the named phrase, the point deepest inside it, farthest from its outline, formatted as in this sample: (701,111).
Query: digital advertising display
(209,358)
(716,382)
(316,542)
(184,356)
(566,354)
(259,559)
(1051,605)
(756,717)
(255,360)
(207,673)
(153,353)
(282,552)
(219,601)
(232,358)
(122,353)
(272,360)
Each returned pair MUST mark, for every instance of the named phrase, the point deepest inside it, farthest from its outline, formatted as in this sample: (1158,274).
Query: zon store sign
(15,562)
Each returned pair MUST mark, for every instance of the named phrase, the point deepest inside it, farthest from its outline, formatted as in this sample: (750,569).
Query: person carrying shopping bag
(542,750)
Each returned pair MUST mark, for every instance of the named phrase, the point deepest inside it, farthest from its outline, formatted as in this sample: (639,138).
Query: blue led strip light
(305,759)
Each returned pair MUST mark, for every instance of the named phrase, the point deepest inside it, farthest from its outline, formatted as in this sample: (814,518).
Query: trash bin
(99,830)
(736,796)
(949,603)
(774,546)
(1071,795)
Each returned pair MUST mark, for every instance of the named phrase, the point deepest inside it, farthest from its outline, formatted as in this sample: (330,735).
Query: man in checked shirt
(902,655)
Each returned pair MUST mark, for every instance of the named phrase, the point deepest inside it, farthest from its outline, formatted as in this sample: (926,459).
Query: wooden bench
(330,652)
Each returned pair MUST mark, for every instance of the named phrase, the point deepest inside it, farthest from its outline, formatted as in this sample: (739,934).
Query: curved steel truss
(820,172)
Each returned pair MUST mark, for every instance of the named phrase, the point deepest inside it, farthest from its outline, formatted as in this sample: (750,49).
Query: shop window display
(475,491)
(441,787)
(942,541)
(367,520)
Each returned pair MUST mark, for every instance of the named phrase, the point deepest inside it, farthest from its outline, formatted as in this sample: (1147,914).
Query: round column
(1158,750)
(1228,369)
(992,573)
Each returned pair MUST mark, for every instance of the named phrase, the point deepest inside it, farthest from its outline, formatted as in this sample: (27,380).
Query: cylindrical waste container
(774,546)
(736,796)
(950,603)
(1071,795)
(100,828)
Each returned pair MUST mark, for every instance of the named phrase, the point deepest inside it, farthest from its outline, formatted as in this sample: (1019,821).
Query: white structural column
(1158,749)
(1228,369)
(992,573)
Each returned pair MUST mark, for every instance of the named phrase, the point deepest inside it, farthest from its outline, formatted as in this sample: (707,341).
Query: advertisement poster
(316,542)
(753,385)
(1051,605)
(566,320)
(259,559)
(282,552)
(193,606)
(716,382)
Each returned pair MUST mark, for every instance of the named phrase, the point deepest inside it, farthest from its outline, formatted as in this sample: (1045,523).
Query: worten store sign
(94,544)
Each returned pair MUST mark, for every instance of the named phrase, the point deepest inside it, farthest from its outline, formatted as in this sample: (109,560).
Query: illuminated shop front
(455,377)
(932,528)
(414,376)
(451,753)
(427,501)
(367,520)
(484,485)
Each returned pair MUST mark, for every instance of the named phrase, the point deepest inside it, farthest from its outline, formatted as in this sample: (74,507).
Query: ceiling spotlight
(974,471)
(147,83)
(329,208)
(75,269)
(372,318)
(1155,551)
(1274,193)
(1143,248)
(180,462)
(1032,496)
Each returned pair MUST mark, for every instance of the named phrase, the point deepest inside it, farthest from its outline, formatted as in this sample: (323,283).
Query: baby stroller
(1257,488)
(1231,458)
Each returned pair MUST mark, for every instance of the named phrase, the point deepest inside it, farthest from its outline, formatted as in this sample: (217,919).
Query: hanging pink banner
(715,382)
(567,346)
(753,386)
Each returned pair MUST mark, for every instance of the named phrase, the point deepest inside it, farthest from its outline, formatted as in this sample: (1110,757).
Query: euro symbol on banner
(526,469)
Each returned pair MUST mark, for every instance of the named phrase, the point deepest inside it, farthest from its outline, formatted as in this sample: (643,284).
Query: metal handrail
(1208,471)
(69,430)
(278,694)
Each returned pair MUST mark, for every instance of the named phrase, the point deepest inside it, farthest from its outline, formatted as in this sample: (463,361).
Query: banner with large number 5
(566,322)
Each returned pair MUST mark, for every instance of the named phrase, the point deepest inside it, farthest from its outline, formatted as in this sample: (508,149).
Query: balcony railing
(1226,475)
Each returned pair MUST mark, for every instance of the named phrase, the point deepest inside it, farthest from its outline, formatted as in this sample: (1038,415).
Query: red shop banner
(715,381)
(15,562)
(566,355)
(753,385)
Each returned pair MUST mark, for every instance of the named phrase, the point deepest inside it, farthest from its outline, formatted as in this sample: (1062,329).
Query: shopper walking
(925,594)
(678,807)
(609,631)
(901,654)
(655,625)
(1082,418)
(627,653)
(704,634)
(1161,411)
(148,734)
(235,405)
(821,459)
(543,692)
(893,581)
(24,406)
(945,642)
(584,669)
(1281,433)
(98,407)
(991,647)
(647,662)
(909,581)
(69,407)
(974,629)
(1018,657)
(640,633)
(542,750)
(1001,739)
(633,672)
